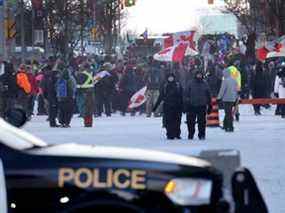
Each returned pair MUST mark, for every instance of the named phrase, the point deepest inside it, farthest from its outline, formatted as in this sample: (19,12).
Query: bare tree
(277,9)
(247,12)
(67,22)
(109,18)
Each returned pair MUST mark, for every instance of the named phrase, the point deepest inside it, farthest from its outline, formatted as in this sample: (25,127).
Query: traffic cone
(213,119)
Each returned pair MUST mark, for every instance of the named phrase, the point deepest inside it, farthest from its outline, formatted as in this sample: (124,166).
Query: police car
(71,178)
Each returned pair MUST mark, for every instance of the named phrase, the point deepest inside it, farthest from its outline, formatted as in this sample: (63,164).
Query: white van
(3,200)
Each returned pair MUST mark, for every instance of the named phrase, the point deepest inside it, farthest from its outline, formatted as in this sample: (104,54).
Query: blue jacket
(66,88)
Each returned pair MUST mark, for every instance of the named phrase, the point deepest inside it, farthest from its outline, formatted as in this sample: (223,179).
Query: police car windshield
(18,139)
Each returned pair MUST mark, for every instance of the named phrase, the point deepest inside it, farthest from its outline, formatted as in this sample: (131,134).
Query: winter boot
(237,117)
(88,121)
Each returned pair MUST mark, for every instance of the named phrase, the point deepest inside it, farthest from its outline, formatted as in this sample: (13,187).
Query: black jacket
(8,85)
(106,86)
(49,86)
(171,93)
(260,84)
(197,94)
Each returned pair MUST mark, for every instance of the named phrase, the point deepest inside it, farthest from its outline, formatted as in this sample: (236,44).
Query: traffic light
(10,29)
(130,3)
(94,33)
(210,1)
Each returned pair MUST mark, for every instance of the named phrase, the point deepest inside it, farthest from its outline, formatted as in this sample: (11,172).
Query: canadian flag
(175,53)
(138,99)
(176,38)
(272,49)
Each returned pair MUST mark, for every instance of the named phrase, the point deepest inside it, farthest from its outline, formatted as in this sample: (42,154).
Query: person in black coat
(259,85)
(49,92)
(104,91)
(127,87)
(197,104)
(8,86)
(171,93)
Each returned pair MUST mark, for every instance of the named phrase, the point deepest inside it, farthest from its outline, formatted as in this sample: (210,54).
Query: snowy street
(260,140)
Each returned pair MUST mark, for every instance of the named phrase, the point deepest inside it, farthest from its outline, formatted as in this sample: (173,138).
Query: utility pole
(23,43)
(46,29)
(33,32)
(81,26)
(2,25)
(4,18)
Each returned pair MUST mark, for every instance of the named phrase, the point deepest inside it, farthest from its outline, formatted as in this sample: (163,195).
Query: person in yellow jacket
(24,86)
(236,75)
(85,88)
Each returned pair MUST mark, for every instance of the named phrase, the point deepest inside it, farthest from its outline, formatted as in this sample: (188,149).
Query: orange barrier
(263,101)
(213,119)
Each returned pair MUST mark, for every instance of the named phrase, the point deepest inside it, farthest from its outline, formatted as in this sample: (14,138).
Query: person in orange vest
(24,86)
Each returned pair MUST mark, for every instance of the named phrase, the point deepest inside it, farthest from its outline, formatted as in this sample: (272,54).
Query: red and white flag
(138,99)
(176,38)
(175,53)
(272,49)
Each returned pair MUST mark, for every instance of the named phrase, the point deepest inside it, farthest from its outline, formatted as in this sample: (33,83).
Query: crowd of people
(93,86)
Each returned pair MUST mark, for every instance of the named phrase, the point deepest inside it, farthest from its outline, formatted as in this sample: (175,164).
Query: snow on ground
(261,141)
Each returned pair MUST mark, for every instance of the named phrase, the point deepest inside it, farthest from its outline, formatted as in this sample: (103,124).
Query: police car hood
(23,141)
(88,151)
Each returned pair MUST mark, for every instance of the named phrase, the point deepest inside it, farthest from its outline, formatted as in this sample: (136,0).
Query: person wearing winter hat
(85,87)
(228,95)
(197,105)
(65,89)
(171,93)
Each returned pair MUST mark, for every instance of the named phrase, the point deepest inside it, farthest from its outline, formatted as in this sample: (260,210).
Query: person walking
(171,93)
(228,94)
(104,91)
(41,103)
(49,93)
(25,88)
(8,86)
(259,85)
(85,86)
(34,91)
(127,87)
(198,103)
(279,89)
(153,81)
(65,89)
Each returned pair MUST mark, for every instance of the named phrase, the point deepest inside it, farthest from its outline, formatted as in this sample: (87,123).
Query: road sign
(1,2)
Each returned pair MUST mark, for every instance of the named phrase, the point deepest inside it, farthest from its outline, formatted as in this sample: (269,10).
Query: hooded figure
(229,95)
(198,103)
(260,85)
(171,93)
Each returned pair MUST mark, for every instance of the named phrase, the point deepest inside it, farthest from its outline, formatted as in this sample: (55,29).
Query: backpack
(23,82)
